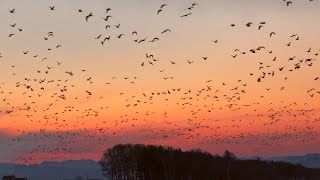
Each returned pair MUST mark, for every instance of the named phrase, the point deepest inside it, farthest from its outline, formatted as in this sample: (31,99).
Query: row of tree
(150,162)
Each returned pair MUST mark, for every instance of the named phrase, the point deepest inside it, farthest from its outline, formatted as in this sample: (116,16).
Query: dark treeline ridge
(151,162)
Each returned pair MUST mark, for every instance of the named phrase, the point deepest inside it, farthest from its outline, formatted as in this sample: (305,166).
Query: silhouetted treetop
(151,162)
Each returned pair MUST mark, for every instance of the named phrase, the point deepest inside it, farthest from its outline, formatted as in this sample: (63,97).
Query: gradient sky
(200,112)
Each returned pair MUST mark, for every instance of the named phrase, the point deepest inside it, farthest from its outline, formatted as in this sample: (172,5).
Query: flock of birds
(54,105)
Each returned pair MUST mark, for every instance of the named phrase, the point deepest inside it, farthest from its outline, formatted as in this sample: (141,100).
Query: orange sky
(214,104)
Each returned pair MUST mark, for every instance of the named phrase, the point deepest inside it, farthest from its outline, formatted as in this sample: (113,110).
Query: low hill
(51,170)
(308,160)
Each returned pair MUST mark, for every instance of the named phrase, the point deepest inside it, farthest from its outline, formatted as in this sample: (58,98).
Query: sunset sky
(68,96)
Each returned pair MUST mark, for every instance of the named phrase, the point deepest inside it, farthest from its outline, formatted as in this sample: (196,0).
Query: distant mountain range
(308,160)
(71,169)
(50,170)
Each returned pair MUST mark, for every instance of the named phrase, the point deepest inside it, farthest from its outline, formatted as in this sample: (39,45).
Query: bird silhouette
(166,30)
(185,15)
(89,16)
(120,35)
(272,33)
(107,18)
(289,3)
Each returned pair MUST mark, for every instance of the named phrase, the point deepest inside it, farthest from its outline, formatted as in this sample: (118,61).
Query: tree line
(151,162)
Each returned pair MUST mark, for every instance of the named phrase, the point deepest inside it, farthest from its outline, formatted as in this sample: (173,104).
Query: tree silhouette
(229,156)
(150,162)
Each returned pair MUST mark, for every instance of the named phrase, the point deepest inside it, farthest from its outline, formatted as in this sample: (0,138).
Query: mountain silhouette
(308,160)
(51,170)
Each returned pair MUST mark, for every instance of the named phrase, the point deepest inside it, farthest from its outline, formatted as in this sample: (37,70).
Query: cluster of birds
(104,38)
(57,99)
